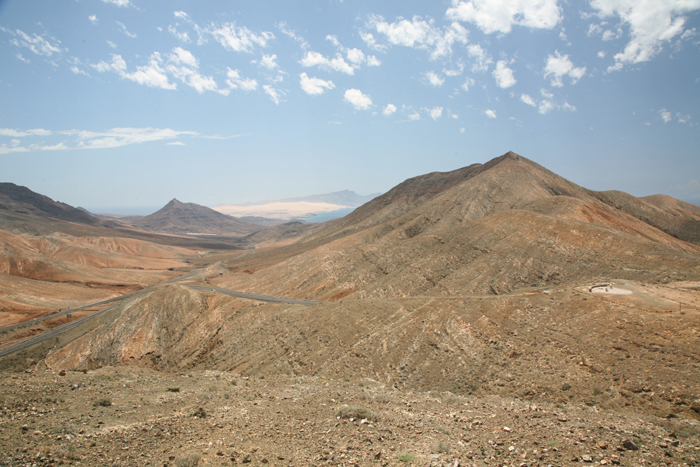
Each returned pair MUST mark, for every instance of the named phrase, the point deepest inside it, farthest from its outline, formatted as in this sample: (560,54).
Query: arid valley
(497,314)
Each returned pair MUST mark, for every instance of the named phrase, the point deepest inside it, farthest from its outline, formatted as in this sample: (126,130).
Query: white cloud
(435,112)
(503,75)
(25,60)
(414,116)
(238,38)
(275,94)
(78,71)
(490,113)
(21,134)
(269,61)
(389,110)
(82,139)
(454,72)
(665,115)
(601,54)
(481,58)
(559,66)
(176,143)
(545,106)
(357,99)
(356,56)
(417,33)
(651,24)
(682,118)
(112,44)
(468,83)
(373,61)
(93,19)
(434,79)
(462,130)
(37,44)
(119,3)
(528,100)
(182,36)
(336,64)
(314,86)
(282,26)
(126,32)
(151,75)
(500,15)
(235,81)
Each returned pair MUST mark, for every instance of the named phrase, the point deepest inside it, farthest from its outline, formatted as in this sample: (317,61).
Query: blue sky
(125,104)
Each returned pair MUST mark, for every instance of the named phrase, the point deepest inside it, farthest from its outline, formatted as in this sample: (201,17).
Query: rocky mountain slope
(15,199)
(488,228)
(183,218)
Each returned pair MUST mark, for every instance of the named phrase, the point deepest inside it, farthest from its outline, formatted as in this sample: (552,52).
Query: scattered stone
(629,445)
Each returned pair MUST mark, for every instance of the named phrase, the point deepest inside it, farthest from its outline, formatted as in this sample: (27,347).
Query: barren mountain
(488,228)
(22,200)
(502,286)
(183,218)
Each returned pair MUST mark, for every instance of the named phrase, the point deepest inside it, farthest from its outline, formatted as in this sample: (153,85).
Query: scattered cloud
(462,130)
(176,143)
(181,36)
(468,83)
(528,100)
(503,75)
(37,44)
(275,94)
(414,116)
(20,57)
(78,71)
(490,113)
(435,112)
(545,106)
(559,66)
(119,3)
(434,79)
(389,110)
(269,61)
(282,26)
(666,116)
(235,81)
(237,38)
(335,64)
(357,99)
(93,19)
(651,24)
(84,139)
(500,15)
(601,54)
(122,28)
(151,75)
(314,86)
(416,33)
(481,59)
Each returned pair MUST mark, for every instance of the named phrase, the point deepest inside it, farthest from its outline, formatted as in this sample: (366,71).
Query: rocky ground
(134,416)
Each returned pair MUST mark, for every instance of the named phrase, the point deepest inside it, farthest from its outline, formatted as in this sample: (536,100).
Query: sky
(121,105)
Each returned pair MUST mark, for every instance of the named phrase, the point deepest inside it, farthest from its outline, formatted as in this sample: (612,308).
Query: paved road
(263,298)
(68,326)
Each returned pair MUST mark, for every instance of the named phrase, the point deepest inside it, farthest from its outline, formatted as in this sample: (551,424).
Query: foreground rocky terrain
(134,416)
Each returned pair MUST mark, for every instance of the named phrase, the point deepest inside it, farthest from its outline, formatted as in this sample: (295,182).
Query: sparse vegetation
(406,457)
(188,461)
(174,389)
(103,402)
(355,413)
(199,413)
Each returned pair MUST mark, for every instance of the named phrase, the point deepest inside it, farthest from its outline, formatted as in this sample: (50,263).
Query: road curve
(251,296)
(68,326)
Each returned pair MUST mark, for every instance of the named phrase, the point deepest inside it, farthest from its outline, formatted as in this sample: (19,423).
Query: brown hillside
(183,218)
